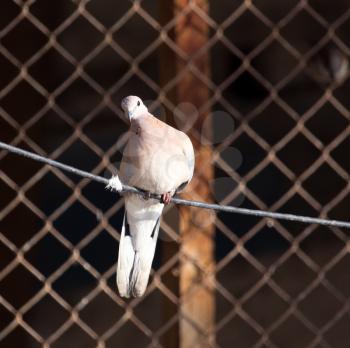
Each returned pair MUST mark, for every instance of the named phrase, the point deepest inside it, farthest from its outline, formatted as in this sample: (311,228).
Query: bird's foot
(114,184)
(166,198)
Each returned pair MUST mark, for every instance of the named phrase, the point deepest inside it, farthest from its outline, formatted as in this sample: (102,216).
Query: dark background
(290,284)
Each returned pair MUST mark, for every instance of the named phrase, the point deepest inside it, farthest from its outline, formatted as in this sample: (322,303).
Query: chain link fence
(278,69)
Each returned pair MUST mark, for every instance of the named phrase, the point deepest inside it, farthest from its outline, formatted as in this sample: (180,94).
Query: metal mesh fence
(64,68)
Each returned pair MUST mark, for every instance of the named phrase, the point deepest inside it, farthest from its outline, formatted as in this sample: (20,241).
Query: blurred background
(262,89)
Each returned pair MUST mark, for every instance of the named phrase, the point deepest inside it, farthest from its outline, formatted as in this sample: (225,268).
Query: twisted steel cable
(175,200)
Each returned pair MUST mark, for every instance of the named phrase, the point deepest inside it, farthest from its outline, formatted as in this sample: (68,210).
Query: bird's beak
(131,113)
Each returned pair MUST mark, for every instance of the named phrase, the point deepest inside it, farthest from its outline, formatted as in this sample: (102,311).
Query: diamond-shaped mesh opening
(40,132)
(312,245)
(237,333)
(296,34)
(31,38)
(220,12)
(101,261)
(240,268)
(271,176)
(73,230)
(18,293)
(156,300)
(31,226)
(135,41)
(264,62)
(73,93)
(291,93)
(100,9)
(289,154)
(96,131)
(107,67)
(47,255)
(266,307)
(53,61)
(285,334)
(247,40)
(52,14)
(31,101)
(101,313)
(268,245)
(128,333)
(68,38)
(273,114)
(46,307)
(271,82)
(245,93)
(327,123)
(75,334)
(294,275)
(320,306)
(222,187)
(37,193)
(313,184)
(74,284)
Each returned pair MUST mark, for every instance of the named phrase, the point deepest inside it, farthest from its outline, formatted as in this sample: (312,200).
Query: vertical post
(197,247)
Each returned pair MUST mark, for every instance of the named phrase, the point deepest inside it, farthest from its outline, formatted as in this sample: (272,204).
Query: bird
(156,159)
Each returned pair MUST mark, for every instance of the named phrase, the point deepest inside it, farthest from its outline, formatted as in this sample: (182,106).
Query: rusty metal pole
(197,247)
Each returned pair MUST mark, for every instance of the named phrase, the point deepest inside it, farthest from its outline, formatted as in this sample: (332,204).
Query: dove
(159,159)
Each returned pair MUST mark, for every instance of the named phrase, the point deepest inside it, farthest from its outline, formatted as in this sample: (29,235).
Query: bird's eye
(138,103)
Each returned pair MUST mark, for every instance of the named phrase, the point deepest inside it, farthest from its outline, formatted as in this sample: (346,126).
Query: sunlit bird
(157,158)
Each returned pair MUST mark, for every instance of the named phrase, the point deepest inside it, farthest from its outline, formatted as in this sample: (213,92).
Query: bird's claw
(166,198)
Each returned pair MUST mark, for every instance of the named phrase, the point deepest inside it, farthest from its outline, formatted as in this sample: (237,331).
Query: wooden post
(197,247)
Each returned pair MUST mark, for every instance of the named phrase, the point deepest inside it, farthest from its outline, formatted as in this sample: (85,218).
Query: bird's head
(133,107)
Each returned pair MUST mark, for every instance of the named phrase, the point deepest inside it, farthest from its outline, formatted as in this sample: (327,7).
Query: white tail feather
(137,245)
(125,261)
(143,264)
